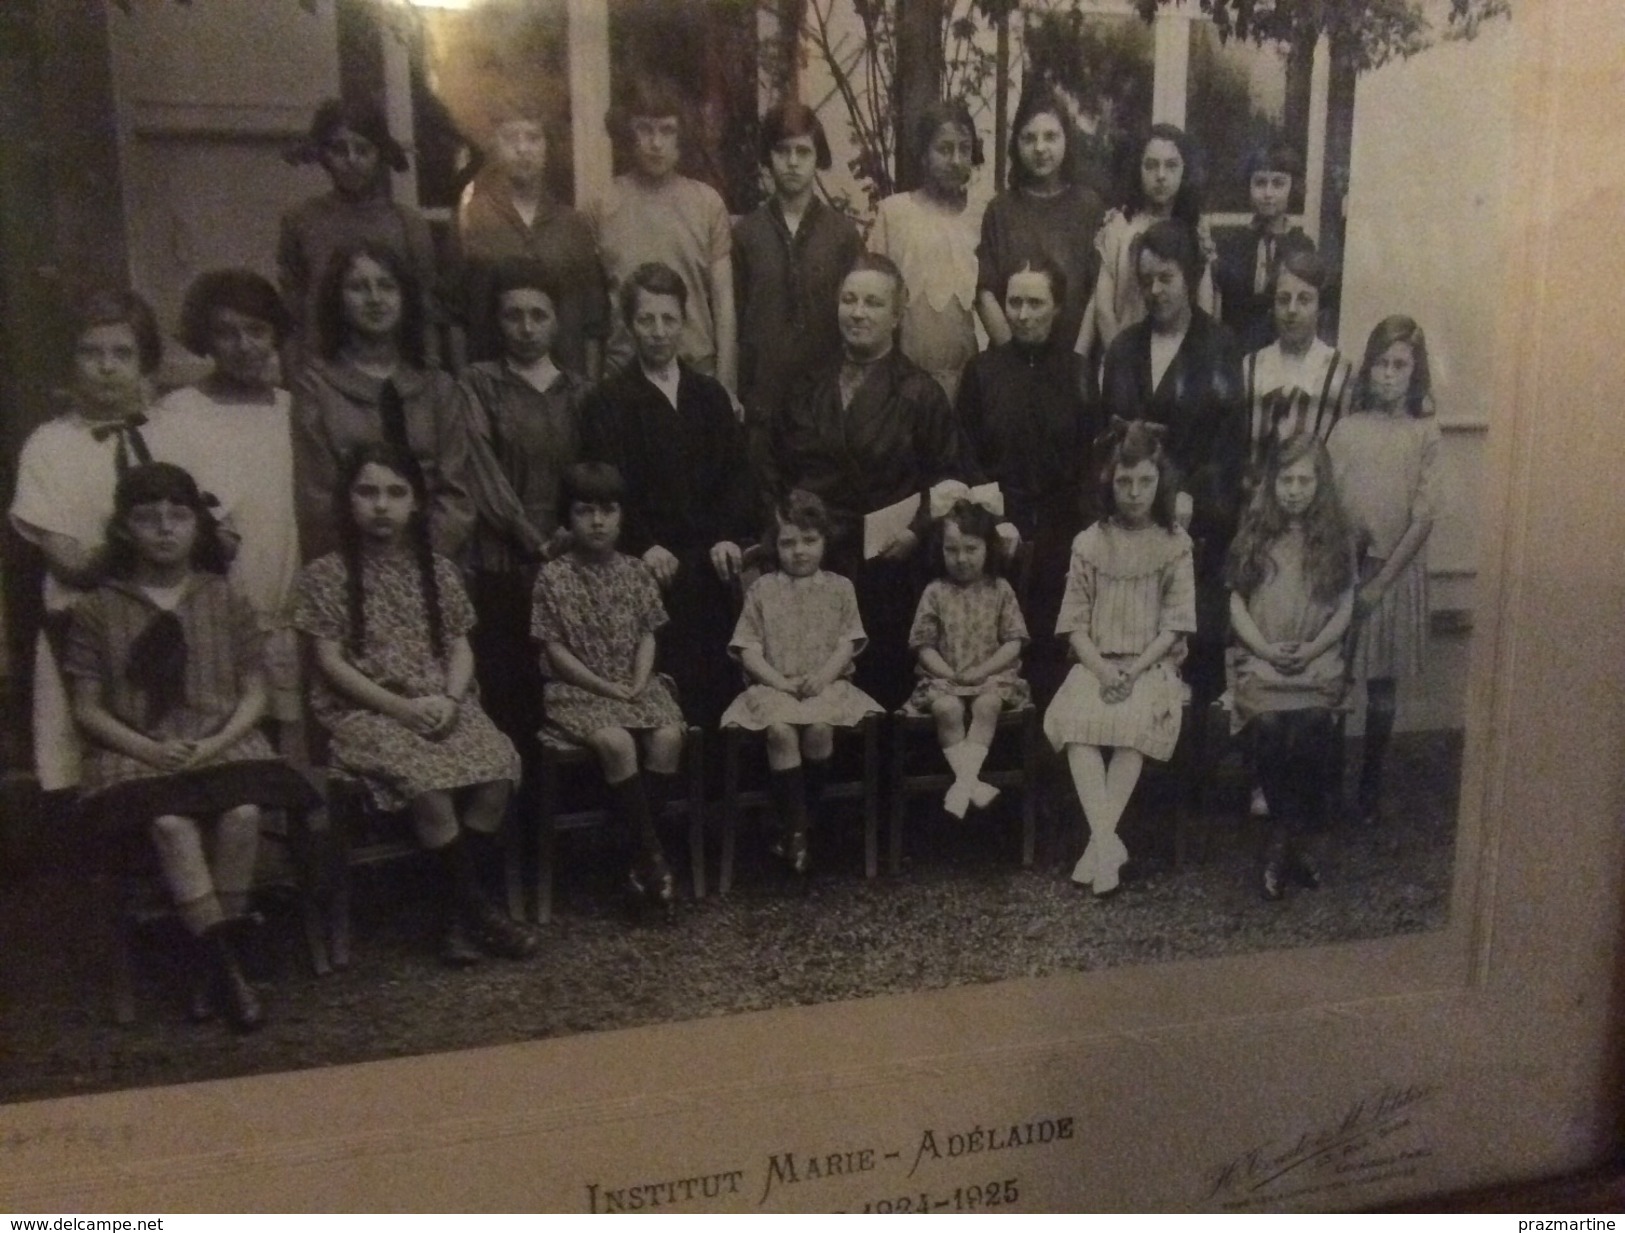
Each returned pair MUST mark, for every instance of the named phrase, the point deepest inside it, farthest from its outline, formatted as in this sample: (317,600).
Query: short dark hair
(1127,443)
(331,328)
(242,291)
(361,116)
(973,520)
(118,306)
(933,116)
(657,278)
(596,483)
(791,119)
(648,96)
(1172,240)
(1275,155)
(1041,263)
(163,481)
(799,508)
(1301,261)
(521,274)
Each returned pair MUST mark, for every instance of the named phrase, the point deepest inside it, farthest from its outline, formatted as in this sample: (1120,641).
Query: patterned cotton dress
(797,623)
(1126,586)
(1386,468)
(966,623)
(600,611)
(397,764)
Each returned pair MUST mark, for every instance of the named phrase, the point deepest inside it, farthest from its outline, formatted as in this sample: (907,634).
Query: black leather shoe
(1301,869)
(496,933)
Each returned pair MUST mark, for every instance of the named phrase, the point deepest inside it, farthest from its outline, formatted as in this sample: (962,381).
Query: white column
(1171,59)
(1314,163)
(590,97)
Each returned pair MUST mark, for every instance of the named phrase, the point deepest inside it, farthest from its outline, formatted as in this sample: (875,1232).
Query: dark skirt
(507,664)
(202,793)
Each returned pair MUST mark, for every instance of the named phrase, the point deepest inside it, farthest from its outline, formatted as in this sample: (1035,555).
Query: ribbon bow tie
(128,424)
(132,447)
(949,493)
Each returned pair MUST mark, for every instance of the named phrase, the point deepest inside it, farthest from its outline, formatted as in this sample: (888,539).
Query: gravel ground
(961,913)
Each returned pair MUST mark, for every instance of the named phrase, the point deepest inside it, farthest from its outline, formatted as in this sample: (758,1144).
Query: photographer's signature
(1373,1139)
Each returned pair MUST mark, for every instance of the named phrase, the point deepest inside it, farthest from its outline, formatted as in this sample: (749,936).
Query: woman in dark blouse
(868,431)
(790,255)
(672,433)
(1028,414)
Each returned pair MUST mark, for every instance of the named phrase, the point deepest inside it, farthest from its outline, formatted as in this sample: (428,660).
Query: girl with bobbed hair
(790,255)
(233,431)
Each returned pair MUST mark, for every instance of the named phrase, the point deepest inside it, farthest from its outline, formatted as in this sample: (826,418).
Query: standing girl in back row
(1385,459)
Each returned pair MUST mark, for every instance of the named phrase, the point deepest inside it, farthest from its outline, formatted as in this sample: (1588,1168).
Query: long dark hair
(1187,205)
(1390,330)
(1044,101)
(1328,541)
(392,458)
(333,331)
(162,481)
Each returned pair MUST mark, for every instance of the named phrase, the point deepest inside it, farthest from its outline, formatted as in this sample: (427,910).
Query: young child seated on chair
(395,689)
(797,636)
(1130,601)
(1291,577)
(169,686)
(595,612)
(967,635)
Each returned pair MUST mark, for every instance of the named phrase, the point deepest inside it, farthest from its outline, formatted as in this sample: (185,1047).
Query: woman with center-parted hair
(369,384)
(671,432)
(868,431)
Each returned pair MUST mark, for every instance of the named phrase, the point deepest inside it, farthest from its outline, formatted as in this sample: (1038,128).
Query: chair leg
(695,749)
(871,796)
(546,811)
(513,840)
(107,891)
(306,877)
(1031,767)
(730,808)
(340,814)
(899,799)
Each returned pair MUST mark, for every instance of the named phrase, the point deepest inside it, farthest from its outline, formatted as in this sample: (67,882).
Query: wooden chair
(359,834)
(556,755)
(124,883)
(865,788)
(1022,776)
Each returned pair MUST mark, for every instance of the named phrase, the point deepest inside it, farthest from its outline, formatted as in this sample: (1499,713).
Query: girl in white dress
(1130,600)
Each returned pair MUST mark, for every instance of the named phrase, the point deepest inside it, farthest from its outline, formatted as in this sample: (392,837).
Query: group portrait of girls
(600,477)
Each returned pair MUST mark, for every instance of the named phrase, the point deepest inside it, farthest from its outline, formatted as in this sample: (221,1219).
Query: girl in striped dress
(1130,600)
(1385,461)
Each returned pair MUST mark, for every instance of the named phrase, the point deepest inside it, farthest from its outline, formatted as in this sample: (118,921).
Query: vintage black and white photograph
(539,517)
